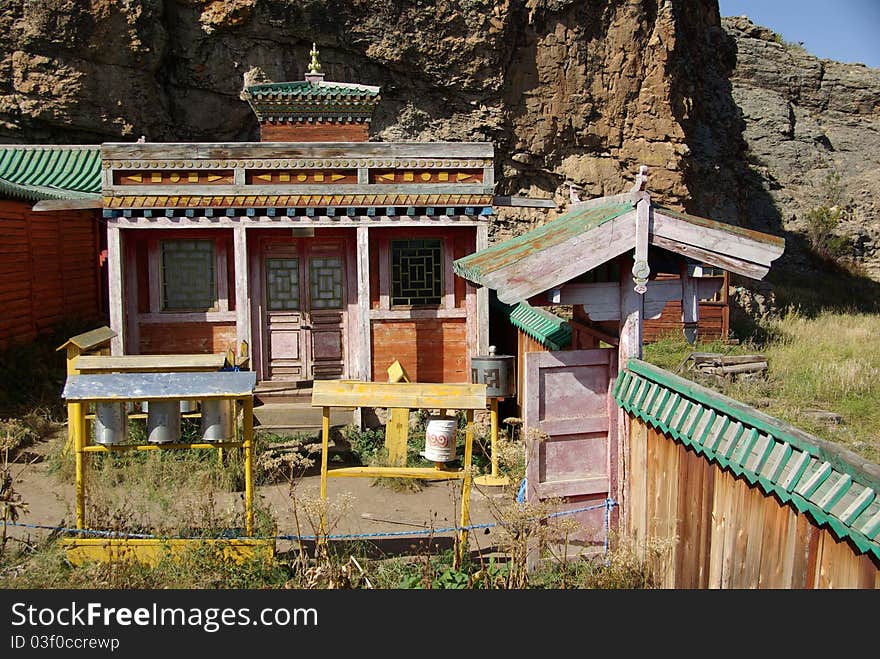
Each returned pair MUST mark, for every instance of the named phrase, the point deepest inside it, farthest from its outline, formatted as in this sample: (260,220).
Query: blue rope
(343,536)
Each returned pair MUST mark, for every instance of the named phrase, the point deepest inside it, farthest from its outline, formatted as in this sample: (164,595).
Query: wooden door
(304,317)
(326,276)
(569,423)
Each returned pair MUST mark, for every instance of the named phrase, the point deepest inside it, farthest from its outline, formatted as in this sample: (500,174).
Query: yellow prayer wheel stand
(493,478)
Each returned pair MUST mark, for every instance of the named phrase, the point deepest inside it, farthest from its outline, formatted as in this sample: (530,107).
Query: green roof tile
(548,329)
(834,486)
(50,172)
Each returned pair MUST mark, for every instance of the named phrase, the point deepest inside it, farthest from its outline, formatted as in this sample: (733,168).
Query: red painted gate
(567,402)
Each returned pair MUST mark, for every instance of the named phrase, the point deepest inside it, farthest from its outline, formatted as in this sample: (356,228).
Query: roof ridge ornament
(314,73)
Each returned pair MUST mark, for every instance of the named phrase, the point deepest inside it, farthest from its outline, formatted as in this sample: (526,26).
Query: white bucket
(440,438)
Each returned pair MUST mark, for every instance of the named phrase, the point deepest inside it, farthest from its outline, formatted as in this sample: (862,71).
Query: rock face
(812,131)
(566,90)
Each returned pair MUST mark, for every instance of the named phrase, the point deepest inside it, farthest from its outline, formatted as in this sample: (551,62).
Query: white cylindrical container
(440,438)
(216,420)
(163,422)
(111,423)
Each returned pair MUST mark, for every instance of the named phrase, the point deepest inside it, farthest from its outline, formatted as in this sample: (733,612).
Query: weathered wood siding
(49,270)
(701,527)
(713,322)
(430,350)
(181,338)
(302,132)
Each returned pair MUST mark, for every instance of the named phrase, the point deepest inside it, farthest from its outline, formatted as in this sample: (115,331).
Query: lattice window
(325,278)
(189,280)
(282,284)
(416,267)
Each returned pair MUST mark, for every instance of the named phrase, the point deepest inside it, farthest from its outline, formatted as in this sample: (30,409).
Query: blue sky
(842,30)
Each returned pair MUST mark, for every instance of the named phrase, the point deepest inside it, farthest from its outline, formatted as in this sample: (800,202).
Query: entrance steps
(285,408)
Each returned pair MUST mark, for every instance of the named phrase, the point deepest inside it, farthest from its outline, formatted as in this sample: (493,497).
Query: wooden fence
(49,270)
(702,527)
(715,494)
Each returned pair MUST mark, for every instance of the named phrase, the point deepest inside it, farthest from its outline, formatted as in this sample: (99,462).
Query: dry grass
(830,361)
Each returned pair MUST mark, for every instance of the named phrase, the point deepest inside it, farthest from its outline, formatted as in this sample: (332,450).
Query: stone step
(298,416)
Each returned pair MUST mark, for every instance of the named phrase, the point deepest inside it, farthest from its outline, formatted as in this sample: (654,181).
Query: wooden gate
(570,453)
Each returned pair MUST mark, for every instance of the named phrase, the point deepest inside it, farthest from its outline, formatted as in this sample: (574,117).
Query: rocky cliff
(812,133)
(567,90)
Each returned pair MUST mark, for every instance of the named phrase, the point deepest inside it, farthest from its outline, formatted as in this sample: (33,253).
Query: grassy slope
(830,361)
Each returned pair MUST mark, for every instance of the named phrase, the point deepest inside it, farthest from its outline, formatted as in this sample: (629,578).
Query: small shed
(50,271)
(605,257)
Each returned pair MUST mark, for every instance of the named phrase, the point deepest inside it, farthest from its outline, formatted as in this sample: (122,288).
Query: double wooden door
(303,310)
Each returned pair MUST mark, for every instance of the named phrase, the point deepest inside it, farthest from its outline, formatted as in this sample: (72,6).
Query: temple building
(318,252)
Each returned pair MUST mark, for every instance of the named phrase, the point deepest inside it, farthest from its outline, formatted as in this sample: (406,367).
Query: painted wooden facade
(608,258)
(329,259)
(719,495)
(51,269)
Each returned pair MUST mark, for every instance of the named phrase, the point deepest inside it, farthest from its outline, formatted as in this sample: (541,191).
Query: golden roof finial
(314,65)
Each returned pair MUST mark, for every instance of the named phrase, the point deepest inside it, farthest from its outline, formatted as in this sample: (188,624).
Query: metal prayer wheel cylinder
(216,419)
(189,406)
(496,372)
(111,423)
(163,422)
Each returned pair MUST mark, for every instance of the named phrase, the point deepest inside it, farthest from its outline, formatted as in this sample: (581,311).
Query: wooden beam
(690,303)
(242,287)
(578,255)
(641,269)
(410,395)
(68,204)
(115,297)
(482,311)
(523,202)
(288,150)
(632,314)
(363,348)
(745,268)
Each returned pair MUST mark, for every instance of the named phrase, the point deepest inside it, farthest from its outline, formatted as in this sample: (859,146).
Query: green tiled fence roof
(50,172)
(835,486)
(548,329)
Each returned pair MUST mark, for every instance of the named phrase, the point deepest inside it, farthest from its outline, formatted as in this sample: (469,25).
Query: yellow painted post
(325,450)
(73,409)
(79,442)
(466,488)
(247,429)
(493,478)
(397,426)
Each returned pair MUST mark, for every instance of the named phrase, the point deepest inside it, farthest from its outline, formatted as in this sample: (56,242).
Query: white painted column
(482,319)
(363,349)
(242,288)
(690,303)
(115,288)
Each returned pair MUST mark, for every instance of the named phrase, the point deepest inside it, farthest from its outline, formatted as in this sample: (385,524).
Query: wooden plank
(773,541)
(732,244)
(637,492)
(90,340)
(721,516)
(749,576)
(719,260)
(242,286)
(144,386)
(573,487)
(295,150)
(362,357)
(116,303)
(54,205)
(149,363)
(706,498)
(585,425)
(572,258)
(425,473)
(481,315)
(410,395)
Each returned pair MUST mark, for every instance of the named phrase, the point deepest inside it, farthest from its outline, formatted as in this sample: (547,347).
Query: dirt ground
(407,518)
